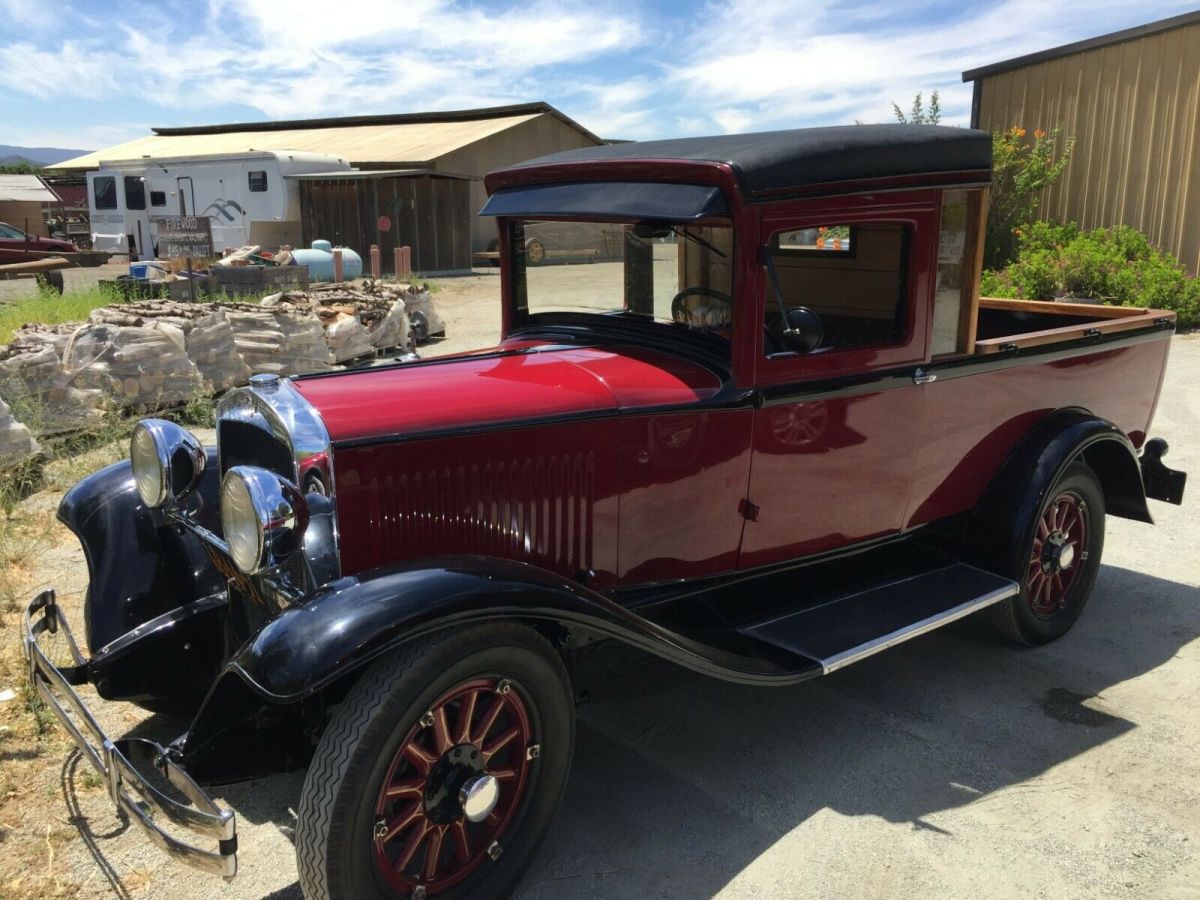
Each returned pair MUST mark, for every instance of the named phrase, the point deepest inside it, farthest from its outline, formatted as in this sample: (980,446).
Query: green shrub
(1118,266)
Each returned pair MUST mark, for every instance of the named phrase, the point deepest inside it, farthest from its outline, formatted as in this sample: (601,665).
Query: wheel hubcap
(479,796)
(453,788)
(1060,543)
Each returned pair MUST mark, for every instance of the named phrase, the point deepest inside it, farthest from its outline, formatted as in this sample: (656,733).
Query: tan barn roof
(414,139)
(25,189)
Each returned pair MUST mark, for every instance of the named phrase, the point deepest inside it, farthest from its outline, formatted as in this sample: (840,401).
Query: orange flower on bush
(1038,133)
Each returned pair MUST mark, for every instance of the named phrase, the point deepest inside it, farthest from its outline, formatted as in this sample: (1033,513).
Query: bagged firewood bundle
(35,336)
(279,341)
(16,441)
(36,383)
(208,338)
(393,329)
(348,338)
(145,367)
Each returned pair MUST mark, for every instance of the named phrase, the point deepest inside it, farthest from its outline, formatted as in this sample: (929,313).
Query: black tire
(1019,618)
(334,830)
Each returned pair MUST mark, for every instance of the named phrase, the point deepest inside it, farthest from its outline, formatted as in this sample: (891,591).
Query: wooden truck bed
(1014,324)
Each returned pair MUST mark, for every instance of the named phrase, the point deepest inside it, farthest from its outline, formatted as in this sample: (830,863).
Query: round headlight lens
(149,468)
(241,524)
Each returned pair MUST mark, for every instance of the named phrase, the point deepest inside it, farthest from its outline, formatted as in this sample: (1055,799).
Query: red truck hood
(505,385)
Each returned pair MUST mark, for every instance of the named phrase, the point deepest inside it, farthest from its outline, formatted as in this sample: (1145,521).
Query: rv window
(104,192)
(158,198)
(258,181)
(135,192)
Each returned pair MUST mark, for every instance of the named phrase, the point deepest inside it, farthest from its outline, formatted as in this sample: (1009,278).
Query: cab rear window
(104,192)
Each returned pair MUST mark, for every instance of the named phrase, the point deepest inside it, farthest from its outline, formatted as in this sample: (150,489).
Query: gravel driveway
(952,766)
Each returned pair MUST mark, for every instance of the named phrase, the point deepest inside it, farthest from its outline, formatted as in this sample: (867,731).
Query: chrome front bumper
(113,760)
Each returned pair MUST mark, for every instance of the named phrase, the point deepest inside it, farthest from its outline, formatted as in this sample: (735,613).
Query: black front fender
(353,620)
(139,566)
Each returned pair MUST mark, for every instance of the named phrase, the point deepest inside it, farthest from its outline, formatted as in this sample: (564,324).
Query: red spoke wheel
(1060,560)
(440,771)
(453,786)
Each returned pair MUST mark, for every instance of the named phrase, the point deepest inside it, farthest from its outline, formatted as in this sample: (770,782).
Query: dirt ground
(952,766)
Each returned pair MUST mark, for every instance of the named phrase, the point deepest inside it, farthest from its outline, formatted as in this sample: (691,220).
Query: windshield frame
(516,312)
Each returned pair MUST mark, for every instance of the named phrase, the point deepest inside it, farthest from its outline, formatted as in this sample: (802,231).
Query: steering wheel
(680,313)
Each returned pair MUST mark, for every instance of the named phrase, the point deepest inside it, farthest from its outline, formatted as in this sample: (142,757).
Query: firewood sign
(184,237)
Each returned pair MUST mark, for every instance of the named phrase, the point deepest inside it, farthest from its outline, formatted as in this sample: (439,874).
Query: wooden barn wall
(17,212)
(431,215)
(537,137)
(1134,111)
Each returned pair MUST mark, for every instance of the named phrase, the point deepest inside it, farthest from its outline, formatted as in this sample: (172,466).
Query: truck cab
(771,431)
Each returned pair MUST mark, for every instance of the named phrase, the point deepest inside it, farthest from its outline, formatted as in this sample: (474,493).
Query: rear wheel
(1058,562)
(535,253)
(440,771)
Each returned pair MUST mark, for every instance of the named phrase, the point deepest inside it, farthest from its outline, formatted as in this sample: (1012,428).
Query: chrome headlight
(167,461)
(263,517)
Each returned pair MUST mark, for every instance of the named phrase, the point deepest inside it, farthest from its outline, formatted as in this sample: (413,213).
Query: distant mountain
(39,156)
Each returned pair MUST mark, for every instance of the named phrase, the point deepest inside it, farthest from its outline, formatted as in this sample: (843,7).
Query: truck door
(836,427)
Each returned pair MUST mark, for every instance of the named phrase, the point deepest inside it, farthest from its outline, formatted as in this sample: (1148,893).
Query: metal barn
(425,210)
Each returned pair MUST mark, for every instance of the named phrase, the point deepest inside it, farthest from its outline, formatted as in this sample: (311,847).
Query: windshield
(666,273)
(7,231)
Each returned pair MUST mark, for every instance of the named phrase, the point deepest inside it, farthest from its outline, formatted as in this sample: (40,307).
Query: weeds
(50,308)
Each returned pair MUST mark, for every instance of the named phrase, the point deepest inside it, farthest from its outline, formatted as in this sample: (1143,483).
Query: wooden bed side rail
(1106,320)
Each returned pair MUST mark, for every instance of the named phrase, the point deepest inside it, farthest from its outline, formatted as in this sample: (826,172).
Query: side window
(104,192)
(854,277)
(158,198)
(135,192)
(959,242)
(258,181)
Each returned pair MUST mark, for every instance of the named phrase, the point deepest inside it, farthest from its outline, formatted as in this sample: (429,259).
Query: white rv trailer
(250,197)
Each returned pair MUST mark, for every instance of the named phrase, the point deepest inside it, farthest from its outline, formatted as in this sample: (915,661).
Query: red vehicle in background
(780,433)
(17,246)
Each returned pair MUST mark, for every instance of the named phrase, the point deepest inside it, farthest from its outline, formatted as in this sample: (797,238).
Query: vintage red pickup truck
(779,433)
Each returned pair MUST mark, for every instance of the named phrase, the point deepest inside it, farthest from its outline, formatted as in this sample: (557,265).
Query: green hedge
(1117,266)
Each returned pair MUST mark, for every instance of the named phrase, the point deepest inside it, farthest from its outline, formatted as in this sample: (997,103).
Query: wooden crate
(259,280)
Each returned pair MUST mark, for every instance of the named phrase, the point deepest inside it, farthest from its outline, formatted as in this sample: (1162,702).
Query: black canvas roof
(778,160)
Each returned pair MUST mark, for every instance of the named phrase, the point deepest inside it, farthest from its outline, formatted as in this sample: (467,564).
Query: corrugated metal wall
(428,213)
(544,135)
(1134,110)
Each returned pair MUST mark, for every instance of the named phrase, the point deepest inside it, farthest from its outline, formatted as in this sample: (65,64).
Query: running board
(856,626)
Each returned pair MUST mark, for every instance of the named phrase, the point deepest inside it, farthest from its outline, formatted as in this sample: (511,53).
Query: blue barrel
(319,259)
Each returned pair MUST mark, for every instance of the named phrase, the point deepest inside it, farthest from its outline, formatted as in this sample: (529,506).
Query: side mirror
(802,330)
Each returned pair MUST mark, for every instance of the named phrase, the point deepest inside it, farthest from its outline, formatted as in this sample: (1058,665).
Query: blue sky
(92,74)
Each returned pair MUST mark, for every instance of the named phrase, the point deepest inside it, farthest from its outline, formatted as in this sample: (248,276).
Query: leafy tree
(920,115)
(22,168)
(1021,170)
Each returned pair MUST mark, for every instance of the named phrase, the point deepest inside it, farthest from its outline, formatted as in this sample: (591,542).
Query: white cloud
(734,65)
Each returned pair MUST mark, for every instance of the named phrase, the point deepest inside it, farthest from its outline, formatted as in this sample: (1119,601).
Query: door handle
(922,377)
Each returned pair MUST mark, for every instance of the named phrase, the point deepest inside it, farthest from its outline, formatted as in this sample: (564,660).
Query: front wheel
(439,773)
(1059,560)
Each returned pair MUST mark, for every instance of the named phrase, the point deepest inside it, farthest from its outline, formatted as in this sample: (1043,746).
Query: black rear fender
(1001,526)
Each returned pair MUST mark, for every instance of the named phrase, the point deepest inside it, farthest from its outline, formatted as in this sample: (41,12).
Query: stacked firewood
(358,318)
(279,341)
(35,380)
(16,442)
(204,329)
(145,368)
